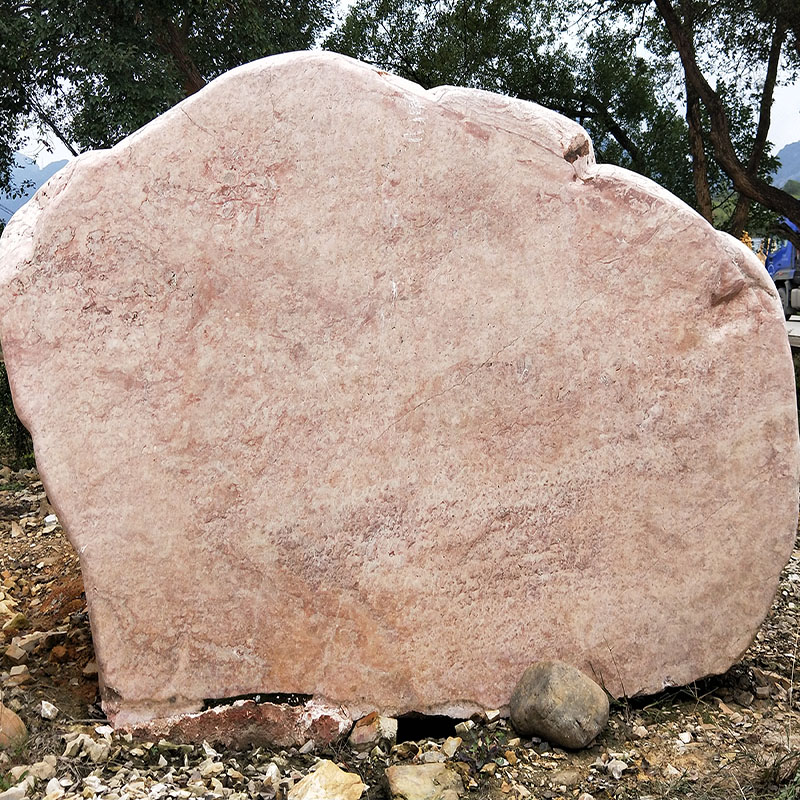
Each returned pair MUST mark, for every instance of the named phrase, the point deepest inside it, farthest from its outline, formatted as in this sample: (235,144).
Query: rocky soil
(736,735)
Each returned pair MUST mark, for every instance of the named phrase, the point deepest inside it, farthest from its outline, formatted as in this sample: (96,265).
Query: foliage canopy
(678,90)
(93,72)
(622,68)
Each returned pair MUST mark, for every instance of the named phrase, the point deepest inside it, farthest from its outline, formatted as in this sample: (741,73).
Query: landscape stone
(557,702)
(246,723)
(380,394)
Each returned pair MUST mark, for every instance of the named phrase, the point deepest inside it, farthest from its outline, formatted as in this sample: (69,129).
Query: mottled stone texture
(246,723)
(560,704)
(351,389)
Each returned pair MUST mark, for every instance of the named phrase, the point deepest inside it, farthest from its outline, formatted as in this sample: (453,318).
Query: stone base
(246,723)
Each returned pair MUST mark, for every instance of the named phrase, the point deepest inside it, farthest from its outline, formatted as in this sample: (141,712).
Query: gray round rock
(560,704)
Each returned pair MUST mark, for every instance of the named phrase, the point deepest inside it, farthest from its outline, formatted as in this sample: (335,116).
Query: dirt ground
(731,736)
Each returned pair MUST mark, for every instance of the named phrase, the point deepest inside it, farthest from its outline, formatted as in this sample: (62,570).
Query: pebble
(16,623)
(54,790)
(15,792)
(48,710)
(15,654)
(566,777)
(744,698)
(18,676)
(327,782)
(272,775)
(45,769)
(433,757)
(58,654)
(372,730)
(423,782)
(451,745)
(615,768)
(559,703)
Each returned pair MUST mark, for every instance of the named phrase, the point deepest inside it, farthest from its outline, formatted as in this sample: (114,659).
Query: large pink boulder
(346,388)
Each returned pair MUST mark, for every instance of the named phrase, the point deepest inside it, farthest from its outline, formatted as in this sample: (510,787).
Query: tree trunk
(48,120)
(747,184)
(697,147)
(173,41)
(742,210)
(699,158)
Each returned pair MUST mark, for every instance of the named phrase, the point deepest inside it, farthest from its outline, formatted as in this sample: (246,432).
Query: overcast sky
(785,116)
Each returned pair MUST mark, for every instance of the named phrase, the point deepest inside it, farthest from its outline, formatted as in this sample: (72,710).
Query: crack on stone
(763,470)
(196,124)
(414,726)
(276,698)
(449,388)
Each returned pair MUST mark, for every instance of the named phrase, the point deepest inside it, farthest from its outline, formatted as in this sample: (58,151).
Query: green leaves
(95,71)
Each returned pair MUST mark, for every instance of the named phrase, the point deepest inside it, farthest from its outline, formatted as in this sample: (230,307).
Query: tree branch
(172,40)
(745,183)
(51,123)
(743,203)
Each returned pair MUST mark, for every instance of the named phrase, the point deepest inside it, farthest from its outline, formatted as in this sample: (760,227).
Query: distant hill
(26,170)
(790,165)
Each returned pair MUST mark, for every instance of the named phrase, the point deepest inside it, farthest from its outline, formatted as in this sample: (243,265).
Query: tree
(747,41)
(716,155)
(92,72)
(516,47)
(15,441)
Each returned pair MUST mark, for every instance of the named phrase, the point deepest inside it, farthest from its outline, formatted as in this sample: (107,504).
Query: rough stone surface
(327,782)
(412,384)
(560,704)
(423,782)
(246,723)
(372,730)
(12,729)
(15,654)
